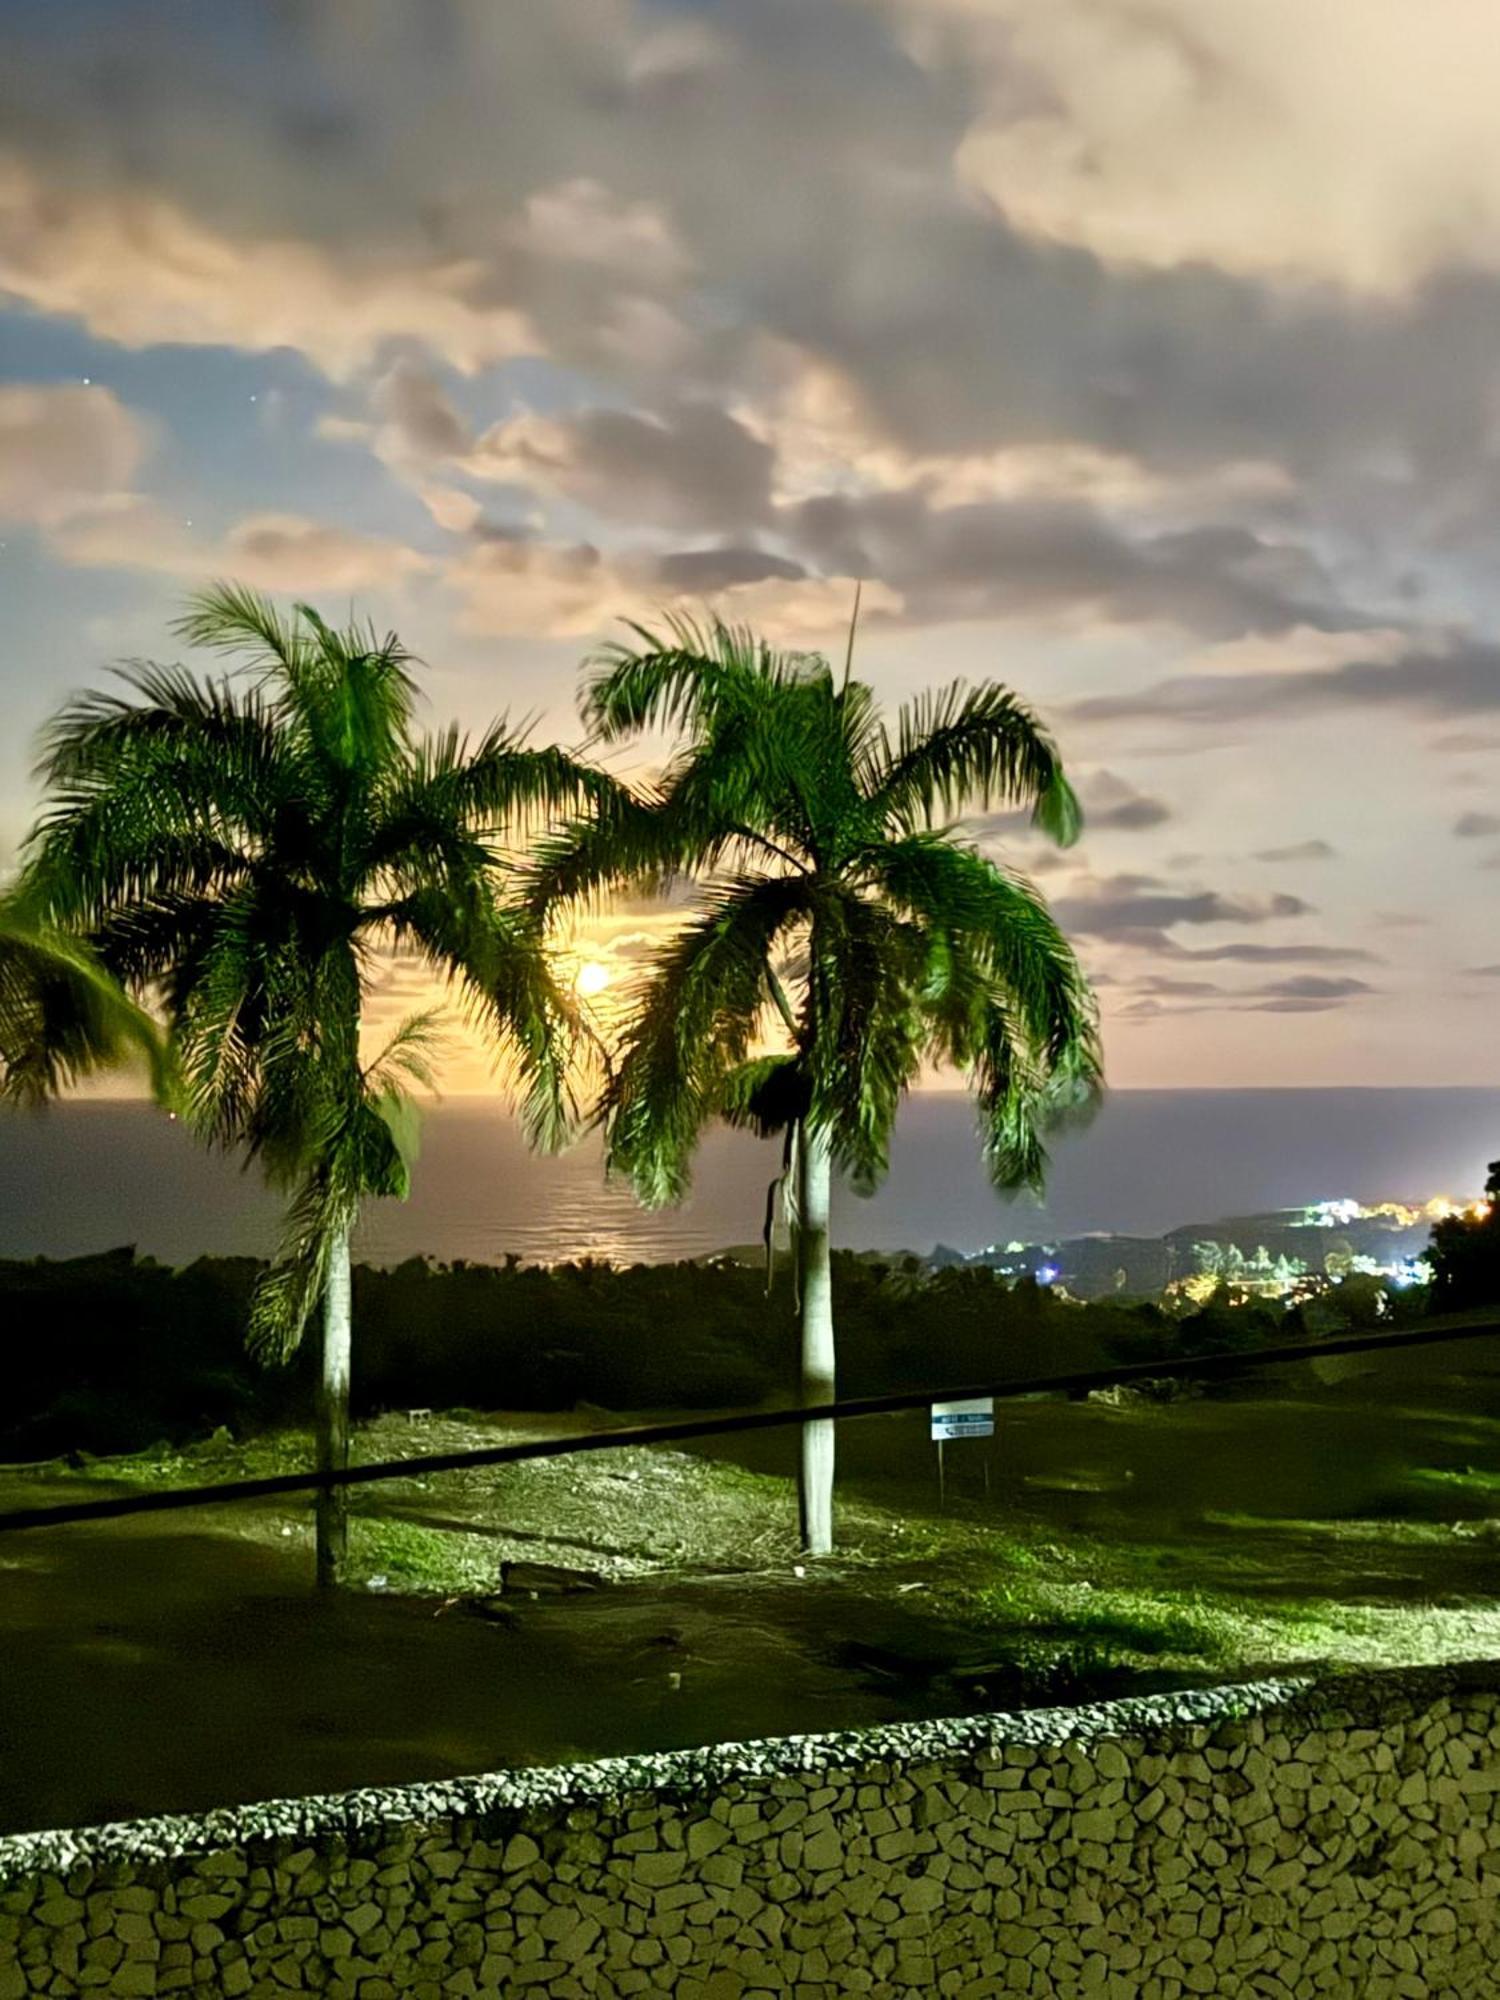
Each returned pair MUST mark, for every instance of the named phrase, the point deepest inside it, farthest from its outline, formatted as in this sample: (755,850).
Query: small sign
(972,1419)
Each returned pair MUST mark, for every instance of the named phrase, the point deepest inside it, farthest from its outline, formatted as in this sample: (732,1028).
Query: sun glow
(592,978)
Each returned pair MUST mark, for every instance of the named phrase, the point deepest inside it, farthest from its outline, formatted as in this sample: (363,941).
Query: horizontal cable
(1198,1367)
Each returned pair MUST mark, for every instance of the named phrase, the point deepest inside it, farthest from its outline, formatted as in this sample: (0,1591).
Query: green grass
(1177,1540)
(1472,1481)
(400,1555)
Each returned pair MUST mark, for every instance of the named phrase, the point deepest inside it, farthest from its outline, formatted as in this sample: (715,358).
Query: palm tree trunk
(815,1490)
(333,1414)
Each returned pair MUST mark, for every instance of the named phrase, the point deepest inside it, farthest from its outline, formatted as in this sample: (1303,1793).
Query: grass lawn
(1334,1516)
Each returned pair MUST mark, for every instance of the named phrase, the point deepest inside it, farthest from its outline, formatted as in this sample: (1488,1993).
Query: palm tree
(249,852)
(844,940)
(62,1018)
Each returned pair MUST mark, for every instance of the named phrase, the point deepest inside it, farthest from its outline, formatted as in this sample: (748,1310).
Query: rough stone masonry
(1339,1836)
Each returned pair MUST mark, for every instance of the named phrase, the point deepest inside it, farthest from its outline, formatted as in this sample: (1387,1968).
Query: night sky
(1143,353)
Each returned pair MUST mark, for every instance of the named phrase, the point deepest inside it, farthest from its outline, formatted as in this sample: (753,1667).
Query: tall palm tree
(63,1018)
(844,939)
(249,851)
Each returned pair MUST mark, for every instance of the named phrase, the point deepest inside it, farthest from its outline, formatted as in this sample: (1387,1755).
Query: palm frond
(689,675)
(322,1209)
(494,959)
(229,617)
(958,747)
(453,790)
(999,922)
(63,1018)
(865,972)
(409,1056)
(697,1014)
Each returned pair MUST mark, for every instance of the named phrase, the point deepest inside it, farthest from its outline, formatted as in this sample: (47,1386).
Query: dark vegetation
(113,1353)
(1465,1254)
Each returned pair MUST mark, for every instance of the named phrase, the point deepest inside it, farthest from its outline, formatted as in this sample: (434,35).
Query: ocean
(91,1176)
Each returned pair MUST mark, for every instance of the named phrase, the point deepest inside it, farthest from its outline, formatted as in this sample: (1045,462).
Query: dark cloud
(703,571)
(1482,971)
(1294,1006)
(1109,802)
(1310,986)
(1443,683)
(1113,803)
(1301,850)
(1464,742)
(1121,907)
(1132,815)
(1178,989)
(412,400)
(1476,825)
(1005,558)
(1281,954)
(687,465)
(1302,995)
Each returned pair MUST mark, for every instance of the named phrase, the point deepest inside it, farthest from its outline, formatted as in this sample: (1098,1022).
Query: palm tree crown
(245,850)
(837,909)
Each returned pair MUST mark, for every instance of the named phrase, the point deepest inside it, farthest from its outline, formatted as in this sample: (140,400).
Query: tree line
(224,864)
(117,1353)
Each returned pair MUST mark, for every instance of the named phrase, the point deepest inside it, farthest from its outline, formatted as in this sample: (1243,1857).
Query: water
(89,1176)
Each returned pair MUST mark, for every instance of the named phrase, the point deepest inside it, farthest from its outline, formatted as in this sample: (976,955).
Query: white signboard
(973,1419)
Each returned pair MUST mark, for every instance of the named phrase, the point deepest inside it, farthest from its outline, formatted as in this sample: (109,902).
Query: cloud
(1114,803)
(1279,954)
(513,583)
(1311,987)
(1299,850)
(61,448)
(435,205)
(1110,803)
(1012,559)
(277,552)
(1463,678)
(582,221)
(1476,825)
(1309,995)
(68,458)
(689,465)
(1020,424)
(1127,904)
(1482,971)
(139,268)
(1179,134)
(421,419)
(706,572)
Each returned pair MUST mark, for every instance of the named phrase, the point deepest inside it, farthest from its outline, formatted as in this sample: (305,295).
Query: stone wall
(1336,1837)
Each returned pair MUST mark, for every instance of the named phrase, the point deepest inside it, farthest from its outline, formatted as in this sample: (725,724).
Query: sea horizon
(1150,1161)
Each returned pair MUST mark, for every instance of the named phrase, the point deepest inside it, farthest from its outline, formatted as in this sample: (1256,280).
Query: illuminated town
(1289,1254)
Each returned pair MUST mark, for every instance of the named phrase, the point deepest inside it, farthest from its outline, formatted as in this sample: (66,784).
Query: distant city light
(1414,1271)
(1334,1214)
(1046,1274)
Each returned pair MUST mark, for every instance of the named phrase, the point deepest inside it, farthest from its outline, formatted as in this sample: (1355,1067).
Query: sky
(1140,354)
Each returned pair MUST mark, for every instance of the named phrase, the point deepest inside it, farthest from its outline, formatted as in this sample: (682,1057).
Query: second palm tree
(845,939)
